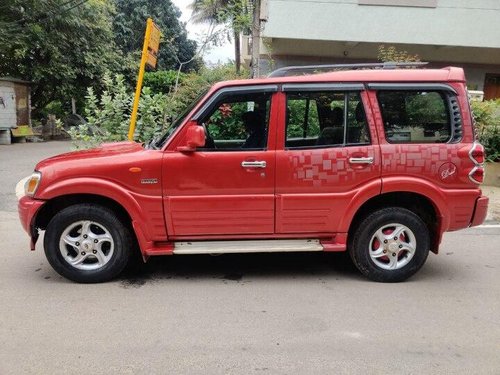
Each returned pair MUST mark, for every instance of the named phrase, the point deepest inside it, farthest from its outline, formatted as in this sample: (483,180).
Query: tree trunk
(237,52)
(256,39)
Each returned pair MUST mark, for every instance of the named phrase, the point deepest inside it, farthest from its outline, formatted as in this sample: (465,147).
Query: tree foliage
(235,15)
(487,118)
(65,46)
(60,47)
(392,54)
(129,25)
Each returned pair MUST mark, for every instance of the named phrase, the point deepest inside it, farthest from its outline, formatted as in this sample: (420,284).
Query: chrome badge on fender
(149,181)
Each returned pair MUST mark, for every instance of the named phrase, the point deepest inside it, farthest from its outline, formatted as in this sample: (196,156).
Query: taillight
(476,154)
(477,175)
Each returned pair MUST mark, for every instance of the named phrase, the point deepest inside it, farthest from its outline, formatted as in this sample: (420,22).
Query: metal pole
(138,88)
(256,40)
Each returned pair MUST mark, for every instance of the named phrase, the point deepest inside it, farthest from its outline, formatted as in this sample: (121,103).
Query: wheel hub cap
(392,246)
(86,245)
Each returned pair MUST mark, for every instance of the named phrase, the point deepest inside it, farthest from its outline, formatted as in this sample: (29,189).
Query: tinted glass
(415,116)
(325,119)
(239,122)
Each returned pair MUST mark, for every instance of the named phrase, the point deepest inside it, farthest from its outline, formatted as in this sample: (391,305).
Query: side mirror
(195,137)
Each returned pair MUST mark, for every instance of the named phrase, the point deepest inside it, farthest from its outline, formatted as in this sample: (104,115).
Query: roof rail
(283,72)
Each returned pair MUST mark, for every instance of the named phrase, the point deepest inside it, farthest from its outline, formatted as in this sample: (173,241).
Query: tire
(401,256)
(87,243)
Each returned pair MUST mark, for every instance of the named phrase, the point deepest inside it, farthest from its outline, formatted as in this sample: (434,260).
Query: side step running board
(246,246)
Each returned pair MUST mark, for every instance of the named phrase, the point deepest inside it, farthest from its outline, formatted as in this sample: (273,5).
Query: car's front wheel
(87,243)
(390,245)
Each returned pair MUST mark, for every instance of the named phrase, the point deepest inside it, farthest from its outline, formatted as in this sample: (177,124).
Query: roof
(448,74)
(15,80)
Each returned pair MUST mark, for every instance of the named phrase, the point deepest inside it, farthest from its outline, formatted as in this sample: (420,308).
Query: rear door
(325,156)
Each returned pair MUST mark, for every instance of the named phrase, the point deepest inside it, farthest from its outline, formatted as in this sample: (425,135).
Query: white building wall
(466,23)
(7,105)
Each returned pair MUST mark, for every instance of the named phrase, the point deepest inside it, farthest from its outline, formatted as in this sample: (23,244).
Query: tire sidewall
(100,215)
(359,249)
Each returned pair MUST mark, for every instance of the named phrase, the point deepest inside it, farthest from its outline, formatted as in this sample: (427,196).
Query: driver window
(238,122)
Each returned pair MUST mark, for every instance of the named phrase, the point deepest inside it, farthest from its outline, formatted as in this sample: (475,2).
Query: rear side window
(415,116)
(325,119)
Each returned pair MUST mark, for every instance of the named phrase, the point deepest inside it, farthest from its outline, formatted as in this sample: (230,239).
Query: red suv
(379,163)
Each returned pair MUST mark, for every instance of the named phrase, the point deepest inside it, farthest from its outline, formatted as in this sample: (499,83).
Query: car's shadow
(237,267)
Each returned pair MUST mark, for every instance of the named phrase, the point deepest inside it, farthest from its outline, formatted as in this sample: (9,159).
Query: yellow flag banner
(149,57)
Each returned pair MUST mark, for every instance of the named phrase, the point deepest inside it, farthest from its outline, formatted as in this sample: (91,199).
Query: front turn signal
(32,184)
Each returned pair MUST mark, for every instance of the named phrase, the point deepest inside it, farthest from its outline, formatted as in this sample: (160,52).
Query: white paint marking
(488,226)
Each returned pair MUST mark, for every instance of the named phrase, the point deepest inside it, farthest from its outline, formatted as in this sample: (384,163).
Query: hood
(108,169)
(106,149)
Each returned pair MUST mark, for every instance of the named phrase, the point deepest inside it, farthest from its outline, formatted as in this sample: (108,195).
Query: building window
(401,3)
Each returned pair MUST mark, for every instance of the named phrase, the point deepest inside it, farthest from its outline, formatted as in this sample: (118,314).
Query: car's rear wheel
(87,243)
(390,245)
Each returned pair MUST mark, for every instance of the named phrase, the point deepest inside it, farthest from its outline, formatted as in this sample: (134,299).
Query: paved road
(246,314)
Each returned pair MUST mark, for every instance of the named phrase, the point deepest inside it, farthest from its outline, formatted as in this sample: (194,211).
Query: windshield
(178,121)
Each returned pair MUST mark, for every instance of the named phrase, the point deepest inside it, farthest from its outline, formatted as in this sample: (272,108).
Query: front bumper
(27,208)
(480,211)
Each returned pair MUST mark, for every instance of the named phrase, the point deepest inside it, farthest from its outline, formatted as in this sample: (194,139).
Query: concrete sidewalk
(493,193)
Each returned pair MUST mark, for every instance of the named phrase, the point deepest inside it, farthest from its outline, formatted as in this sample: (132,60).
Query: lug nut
(393,254)
(395,238)
(83,252)
(385,241)
(385,251)
(400,246)
(85,236)
(77,243)
(94,251)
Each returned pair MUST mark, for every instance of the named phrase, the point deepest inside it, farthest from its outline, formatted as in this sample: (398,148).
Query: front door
(325,159)
(226,188)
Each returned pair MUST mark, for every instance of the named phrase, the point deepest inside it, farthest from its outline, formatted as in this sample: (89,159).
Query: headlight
(32,184)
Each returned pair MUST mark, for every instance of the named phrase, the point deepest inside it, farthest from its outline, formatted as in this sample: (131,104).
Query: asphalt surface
(245,314)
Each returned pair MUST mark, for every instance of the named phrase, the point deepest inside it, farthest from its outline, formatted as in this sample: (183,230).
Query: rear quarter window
(415,116)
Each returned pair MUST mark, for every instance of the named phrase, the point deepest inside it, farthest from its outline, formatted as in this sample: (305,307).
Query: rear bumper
(480,211)
(27,208)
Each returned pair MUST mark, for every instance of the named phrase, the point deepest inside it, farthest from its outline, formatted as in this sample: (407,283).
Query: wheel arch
(143,212)
(421,205)
(56,204)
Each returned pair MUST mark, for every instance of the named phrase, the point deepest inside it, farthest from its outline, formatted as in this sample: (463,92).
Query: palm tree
(219,12)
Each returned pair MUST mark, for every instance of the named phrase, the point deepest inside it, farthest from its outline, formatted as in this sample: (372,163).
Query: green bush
(487,118)
(195,83)
(108,115)
(162,81)
(53,108)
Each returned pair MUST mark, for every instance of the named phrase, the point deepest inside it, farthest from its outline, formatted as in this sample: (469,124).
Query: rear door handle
(253,164)
(367,160)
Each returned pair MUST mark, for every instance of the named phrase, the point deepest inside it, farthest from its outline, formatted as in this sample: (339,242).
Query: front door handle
(253,164)
(367,160)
